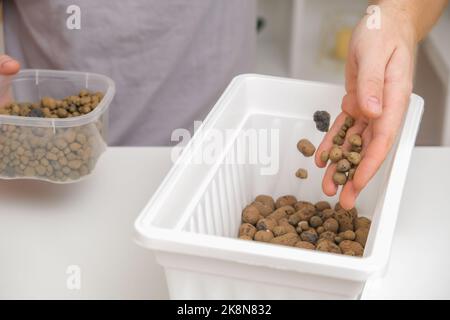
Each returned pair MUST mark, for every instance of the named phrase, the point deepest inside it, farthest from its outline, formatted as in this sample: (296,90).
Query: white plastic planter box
(192,220)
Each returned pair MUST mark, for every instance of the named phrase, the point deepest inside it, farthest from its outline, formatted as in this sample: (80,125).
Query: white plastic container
(192,220)
(56,150)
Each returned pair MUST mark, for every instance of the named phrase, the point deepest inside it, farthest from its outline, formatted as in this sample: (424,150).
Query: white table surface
(45,228)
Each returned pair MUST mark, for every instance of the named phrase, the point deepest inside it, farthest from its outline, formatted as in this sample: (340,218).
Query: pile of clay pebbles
(55,154)
(71,106)
(305,225)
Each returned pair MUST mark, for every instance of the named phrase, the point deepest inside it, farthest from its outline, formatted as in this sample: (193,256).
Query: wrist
(406,17)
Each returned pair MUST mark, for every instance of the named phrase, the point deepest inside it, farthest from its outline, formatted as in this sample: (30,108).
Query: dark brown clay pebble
(251,215)
(362,222)
(325,214)
(345,220)
(305,245)
(266,224)
(315,221)
(326,245)
(267,200)
(343,165)
(301,173)
(322,205)
(322,120)
(309,235)
(328,235)
(263,209)
(263,236)
(339,178)
(282,212)
(288,239)
(247,229)
(288,200)
(306,147)
(331,224)
(348,246)
(361,236)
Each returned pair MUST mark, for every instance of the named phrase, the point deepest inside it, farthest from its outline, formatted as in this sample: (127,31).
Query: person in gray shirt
(170,59)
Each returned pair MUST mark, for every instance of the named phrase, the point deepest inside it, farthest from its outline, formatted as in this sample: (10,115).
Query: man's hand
(8,65)
(379,74)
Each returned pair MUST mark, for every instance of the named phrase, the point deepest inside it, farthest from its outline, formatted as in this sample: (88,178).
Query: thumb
(370,84)
(8,65)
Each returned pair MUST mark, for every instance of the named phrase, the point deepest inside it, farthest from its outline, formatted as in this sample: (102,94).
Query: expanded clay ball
(349,122)
(343,165)
(325,214)
(315,221)
(304,214)
(361,223)
(344,219)
(263,209)
(351,174)
(306,147)
(353,157)
(322,120)
(322,205)
(309,235)
(305,245)
(356,149)
(338,140)
(288,227)
(348,235)
(331,224)
(324,156)
(246,229)
(303,225)
(326,245)
(288,239)
(303,204)
(263,236)
(361,236)
(320,230)
(267,200)
(266,224)
(335,154)
(281,230)
(348,246)
(288,200)
(355,140)
(302,173)
(339,178)
(282,212)
(251,215)
(329,235)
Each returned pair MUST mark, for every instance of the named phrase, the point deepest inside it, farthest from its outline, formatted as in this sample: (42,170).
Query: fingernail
(373,104)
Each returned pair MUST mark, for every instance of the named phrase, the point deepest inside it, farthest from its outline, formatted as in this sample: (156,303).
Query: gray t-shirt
(170,59)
